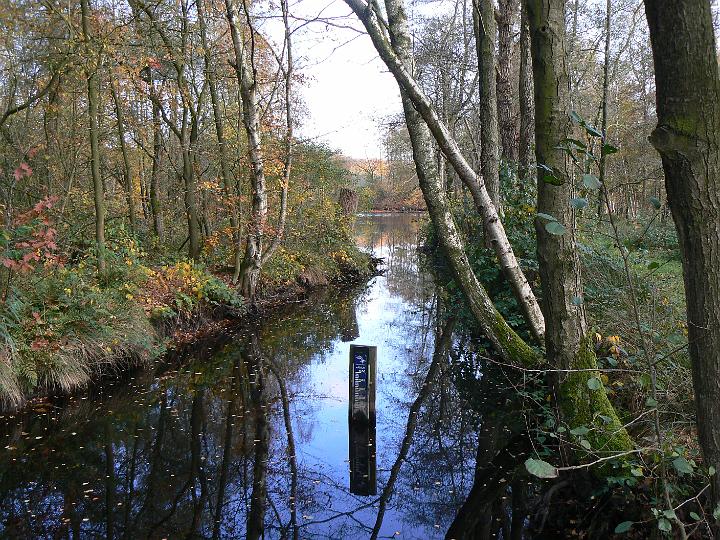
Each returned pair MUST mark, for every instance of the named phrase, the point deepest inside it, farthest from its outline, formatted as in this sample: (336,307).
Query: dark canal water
(203,447)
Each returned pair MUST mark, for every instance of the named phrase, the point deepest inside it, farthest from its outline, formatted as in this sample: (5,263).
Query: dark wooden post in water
(361,420)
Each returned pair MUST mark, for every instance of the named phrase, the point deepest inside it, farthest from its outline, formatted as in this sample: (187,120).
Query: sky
(348,91)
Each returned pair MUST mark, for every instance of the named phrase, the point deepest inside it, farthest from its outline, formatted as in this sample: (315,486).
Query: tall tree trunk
(507,13)
(688,140)
(527,109)
(485,30)
(567,345)
(155,171)
(127,168)
(493,227)
(289,143)
(225,171)
(604,121)
(557,254)
(505,341)
(256,254)
(92,93)
(188,142)
(246,76)
(188,132)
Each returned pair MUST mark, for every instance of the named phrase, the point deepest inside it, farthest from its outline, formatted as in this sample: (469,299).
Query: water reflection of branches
(441,346)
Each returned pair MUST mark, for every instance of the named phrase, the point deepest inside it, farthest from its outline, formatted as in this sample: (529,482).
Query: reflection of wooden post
(361,420)
(362,382)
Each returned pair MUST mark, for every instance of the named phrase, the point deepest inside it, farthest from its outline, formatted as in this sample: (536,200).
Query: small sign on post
(362,382)
(361,420)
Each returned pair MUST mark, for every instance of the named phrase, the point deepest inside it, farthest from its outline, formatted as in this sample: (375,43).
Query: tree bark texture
(507,14)
(557,254)
(604,121)
(485,30)
(567,345)
(688,140)
(225,172)
(527,109)
(246,76)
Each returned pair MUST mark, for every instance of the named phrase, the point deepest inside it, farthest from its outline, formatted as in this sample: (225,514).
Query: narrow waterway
(250,436)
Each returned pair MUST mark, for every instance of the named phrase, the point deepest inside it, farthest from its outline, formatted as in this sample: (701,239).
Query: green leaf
(651,402)
(540,468)
(552,178)
(578,203)
(546,216)
(556,228)
(608,149)
(694,516)
(623,527)
(569,143)
(593,383)
(591,181)
(711,470)
(575,117)
(653,265)
(716,512)
(655,202)
(579,431)
(664,525)
(670,514)
(682,465)
(592,130)
(636,471)
(585,444)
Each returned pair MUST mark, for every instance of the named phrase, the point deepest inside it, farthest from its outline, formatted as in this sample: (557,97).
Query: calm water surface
(202,447)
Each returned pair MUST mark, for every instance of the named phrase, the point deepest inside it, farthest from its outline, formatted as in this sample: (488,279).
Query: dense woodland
(567,155)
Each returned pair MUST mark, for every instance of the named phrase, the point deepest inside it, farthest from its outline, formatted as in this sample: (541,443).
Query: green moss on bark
(583,406)
(516,349)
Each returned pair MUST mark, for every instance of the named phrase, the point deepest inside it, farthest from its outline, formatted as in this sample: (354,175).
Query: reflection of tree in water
(395,237)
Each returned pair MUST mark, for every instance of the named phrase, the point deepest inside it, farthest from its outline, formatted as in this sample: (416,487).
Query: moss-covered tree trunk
(566,342)
(688,139)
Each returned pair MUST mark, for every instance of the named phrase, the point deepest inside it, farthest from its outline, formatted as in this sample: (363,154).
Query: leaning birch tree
(493,227)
